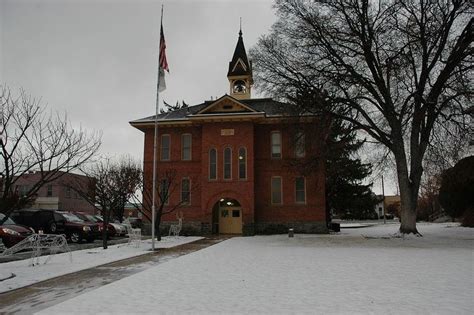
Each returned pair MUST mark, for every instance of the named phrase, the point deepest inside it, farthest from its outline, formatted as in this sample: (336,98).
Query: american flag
(163,63)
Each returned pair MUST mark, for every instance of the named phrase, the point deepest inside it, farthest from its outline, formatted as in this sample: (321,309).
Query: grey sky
(97,60)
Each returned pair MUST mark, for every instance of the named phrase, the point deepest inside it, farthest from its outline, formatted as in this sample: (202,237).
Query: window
(212,164)
(23,190)
(242,163)
(164,192)
(300,190)
(68,192)
(49,192)
(276,145)
(276,190)
(186,141)
(165,147)
(185,191)
(227,163)
(300,145)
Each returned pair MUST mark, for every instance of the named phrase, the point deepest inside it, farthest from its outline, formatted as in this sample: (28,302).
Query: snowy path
(345,273)
(82,259)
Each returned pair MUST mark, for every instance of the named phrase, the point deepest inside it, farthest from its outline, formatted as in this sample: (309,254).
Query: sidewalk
(47,293)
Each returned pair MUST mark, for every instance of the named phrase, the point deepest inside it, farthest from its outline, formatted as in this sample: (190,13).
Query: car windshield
(71,217)
(91,218)
(8,221)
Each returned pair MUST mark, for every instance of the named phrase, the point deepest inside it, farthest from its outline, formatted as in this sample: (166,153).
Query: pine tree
(345,193)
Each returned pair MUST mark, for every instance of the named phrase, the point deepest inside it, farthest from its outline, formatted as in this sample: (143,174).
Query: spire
(240,31)
(240,64)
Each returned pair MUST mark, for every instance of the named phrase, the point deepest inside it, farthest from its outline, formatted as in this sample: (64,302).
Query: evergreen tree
(345,193)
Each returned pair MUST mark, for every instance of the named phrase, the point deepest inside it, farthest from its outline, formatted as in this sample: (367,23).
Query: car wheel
(75,237)
(53,227)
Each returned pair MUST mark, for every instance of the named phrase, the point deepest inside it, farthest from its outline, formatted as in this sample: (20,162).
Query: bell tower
(240,72)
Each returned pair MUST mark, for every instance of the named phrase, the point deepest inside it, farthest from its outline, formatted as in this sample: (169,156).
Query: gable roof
(266,106)
(216,106)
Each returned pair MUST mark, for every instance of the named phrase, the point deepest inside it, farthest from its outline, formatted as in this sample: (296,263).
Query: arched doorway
(227,217)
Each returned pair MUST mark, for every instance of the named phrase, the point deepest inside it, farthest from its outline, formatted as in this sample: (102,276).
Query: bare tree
(34,140)
(127,174)
(401,71)
(109,186)
(168,185)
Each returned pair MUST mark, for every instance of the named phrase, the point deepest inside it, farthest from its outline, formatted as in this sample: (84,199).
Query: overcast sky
(97,60)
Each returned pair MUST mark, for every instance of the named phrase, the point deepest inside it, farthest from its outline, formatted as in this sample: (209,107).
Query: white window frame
(169,147)
(275,132)
(304,190)
(190,146)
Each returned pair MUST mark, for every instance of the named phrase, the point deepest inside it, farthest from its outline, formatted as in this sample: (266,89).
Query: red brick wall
(266,167)
(190,169)
(253,193)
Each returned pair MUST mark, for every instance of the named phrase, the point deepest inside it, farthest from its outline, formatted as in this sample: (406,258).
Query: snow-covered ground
(60,264)
(365,270)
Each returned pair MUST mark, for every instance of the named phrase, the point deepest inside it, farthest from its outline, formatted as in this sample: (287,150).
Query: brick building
(56,195)
(234,161)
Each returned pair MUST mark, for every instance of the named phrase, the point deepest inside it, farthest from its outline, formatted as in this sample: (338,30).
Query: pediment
(226,104)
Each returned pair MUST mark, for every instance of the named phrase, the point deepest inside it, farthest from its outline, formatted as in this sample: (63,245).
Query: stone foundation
(251,229)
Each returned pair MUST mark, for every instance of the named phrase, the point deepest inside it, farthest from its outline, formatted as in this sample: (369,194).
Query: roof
(235,67)
(267,106)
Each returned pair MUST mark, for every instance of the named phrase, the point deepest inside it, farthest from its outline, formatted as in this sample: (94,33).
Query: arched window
(242,163)
(227,163)
(212,164)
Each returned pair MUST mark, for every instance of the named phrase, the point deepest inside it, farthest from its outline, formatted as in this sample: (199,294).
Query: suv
(78,230)
(48,221)
(56,222)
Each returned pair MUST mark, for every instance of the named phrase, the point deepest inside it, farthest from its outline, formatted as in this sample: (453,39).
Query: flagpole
(155,139)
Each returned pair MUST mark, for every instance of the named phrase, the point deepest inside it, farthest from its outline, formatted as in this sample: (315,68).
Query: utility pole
(383,203)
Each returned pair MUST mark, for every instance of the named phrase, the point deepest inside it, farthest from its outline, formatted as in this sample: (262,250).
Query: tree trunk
(104,236)
(157,227)
(408,192)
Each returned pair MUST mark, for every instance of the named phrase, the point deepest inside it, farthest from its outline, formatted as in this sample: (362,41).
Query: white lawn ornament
(52,243)
(175,229)
(134,234)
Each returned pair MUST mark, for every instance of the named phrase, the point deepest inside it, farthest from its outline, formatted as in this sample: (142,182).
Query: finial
(240,31)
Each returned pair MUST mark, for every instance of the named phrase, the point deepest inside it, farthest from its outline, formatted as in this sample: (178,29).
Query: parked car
(57,222)
(78,230)
(115,227)
(44,220)
(12,233)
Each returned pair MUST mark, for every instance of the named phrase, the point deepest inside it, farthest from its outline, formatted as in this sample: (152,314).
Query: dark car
(78,230)
(41,220)
(93,219)
(12,233)
(57,222)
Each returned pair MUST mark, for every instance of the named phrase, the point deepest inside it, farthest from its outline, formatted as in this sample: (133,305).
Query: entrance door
(230,220)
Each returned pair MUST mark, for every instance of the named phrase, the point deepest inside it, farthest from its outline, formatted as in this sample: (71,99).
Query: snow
(364,270)
(60,264)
